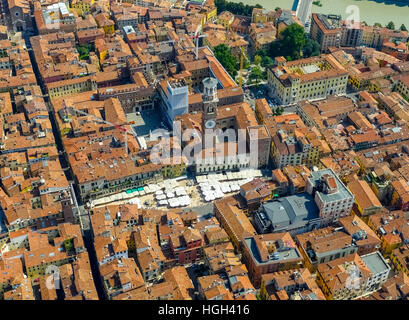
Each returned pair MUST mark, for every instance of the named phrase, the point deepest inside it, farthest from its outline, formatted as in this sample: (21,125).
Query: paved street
(2,226)
(84,217)
(203,212)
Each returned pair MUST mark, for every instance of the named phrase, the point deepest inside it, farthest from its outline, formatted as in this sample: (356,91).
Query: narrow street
(88,241)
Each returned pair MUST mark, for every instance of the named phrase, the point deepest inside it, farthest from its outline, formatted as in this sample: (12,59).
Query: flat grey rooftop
(375,262)
(292,209)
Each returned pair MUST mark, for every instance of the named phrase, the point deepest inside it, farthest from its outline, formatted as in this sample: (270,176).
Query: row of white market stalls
(216,190)
(215,185)
(172,197)
(169,193)
(230,176)
(131,195)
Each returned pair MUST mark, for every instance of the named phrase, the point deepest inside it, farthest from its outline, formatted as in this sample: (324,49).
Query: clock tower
(209,107)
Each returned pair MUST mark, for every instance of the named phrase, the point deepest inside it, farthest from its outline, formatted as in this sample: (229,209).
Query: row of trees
(231,64)
(390,26)
(263,59)
(235,8)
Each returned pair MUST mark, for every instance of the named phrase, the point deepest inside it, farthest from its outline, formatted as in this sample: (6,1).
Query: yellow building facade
(82,6)
(72,86)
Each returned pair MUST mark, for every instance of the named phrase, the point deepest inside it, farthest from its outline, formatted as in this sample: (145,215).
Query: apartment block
(399,258)
(326,30)
(71,86)
(269,253)
(255,192)
(351,33)
(307,79)
(366,202)
(364,237)
(233,219)
(134,97)
(331,196)
(186,246)
(400,195)
(374,36)
(294,149)
(325,245)
(290,285)
(353,276)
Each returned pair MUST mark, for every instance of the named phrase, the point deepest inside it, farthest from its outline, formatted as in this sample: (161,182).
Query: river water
(370,11)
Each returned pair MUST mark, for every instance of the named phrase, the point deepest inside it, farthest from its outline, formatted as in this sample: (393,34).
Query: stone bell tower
(210,101)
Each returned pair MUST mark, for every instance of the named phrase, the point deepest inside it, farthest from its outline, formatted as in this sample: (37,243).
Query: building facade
(332,197)
(307,79)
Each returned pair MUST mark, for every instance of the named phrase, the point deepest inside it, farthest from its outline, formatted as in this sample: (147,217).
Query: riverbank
(371,11)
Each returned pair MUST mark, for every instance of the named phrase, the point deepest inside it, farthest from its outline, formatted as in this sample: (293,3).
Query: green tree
(256,74)
(235,8)
(292,41)
(246,64)
(266,62)
(261,52)
(228,61)
(84,51)
(311,48)
(274,49)
(403,28)
(257,60)
(364,23)
(278,111)
(391,25)
(69,245)
(377,24)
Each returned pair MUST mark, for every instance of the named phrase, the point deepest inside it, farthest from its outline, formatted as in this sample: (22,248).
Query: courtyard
(145,122)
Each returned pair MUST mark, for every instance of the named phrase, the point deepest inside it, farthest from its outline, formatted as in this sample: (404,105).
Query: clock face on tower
(210,124)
